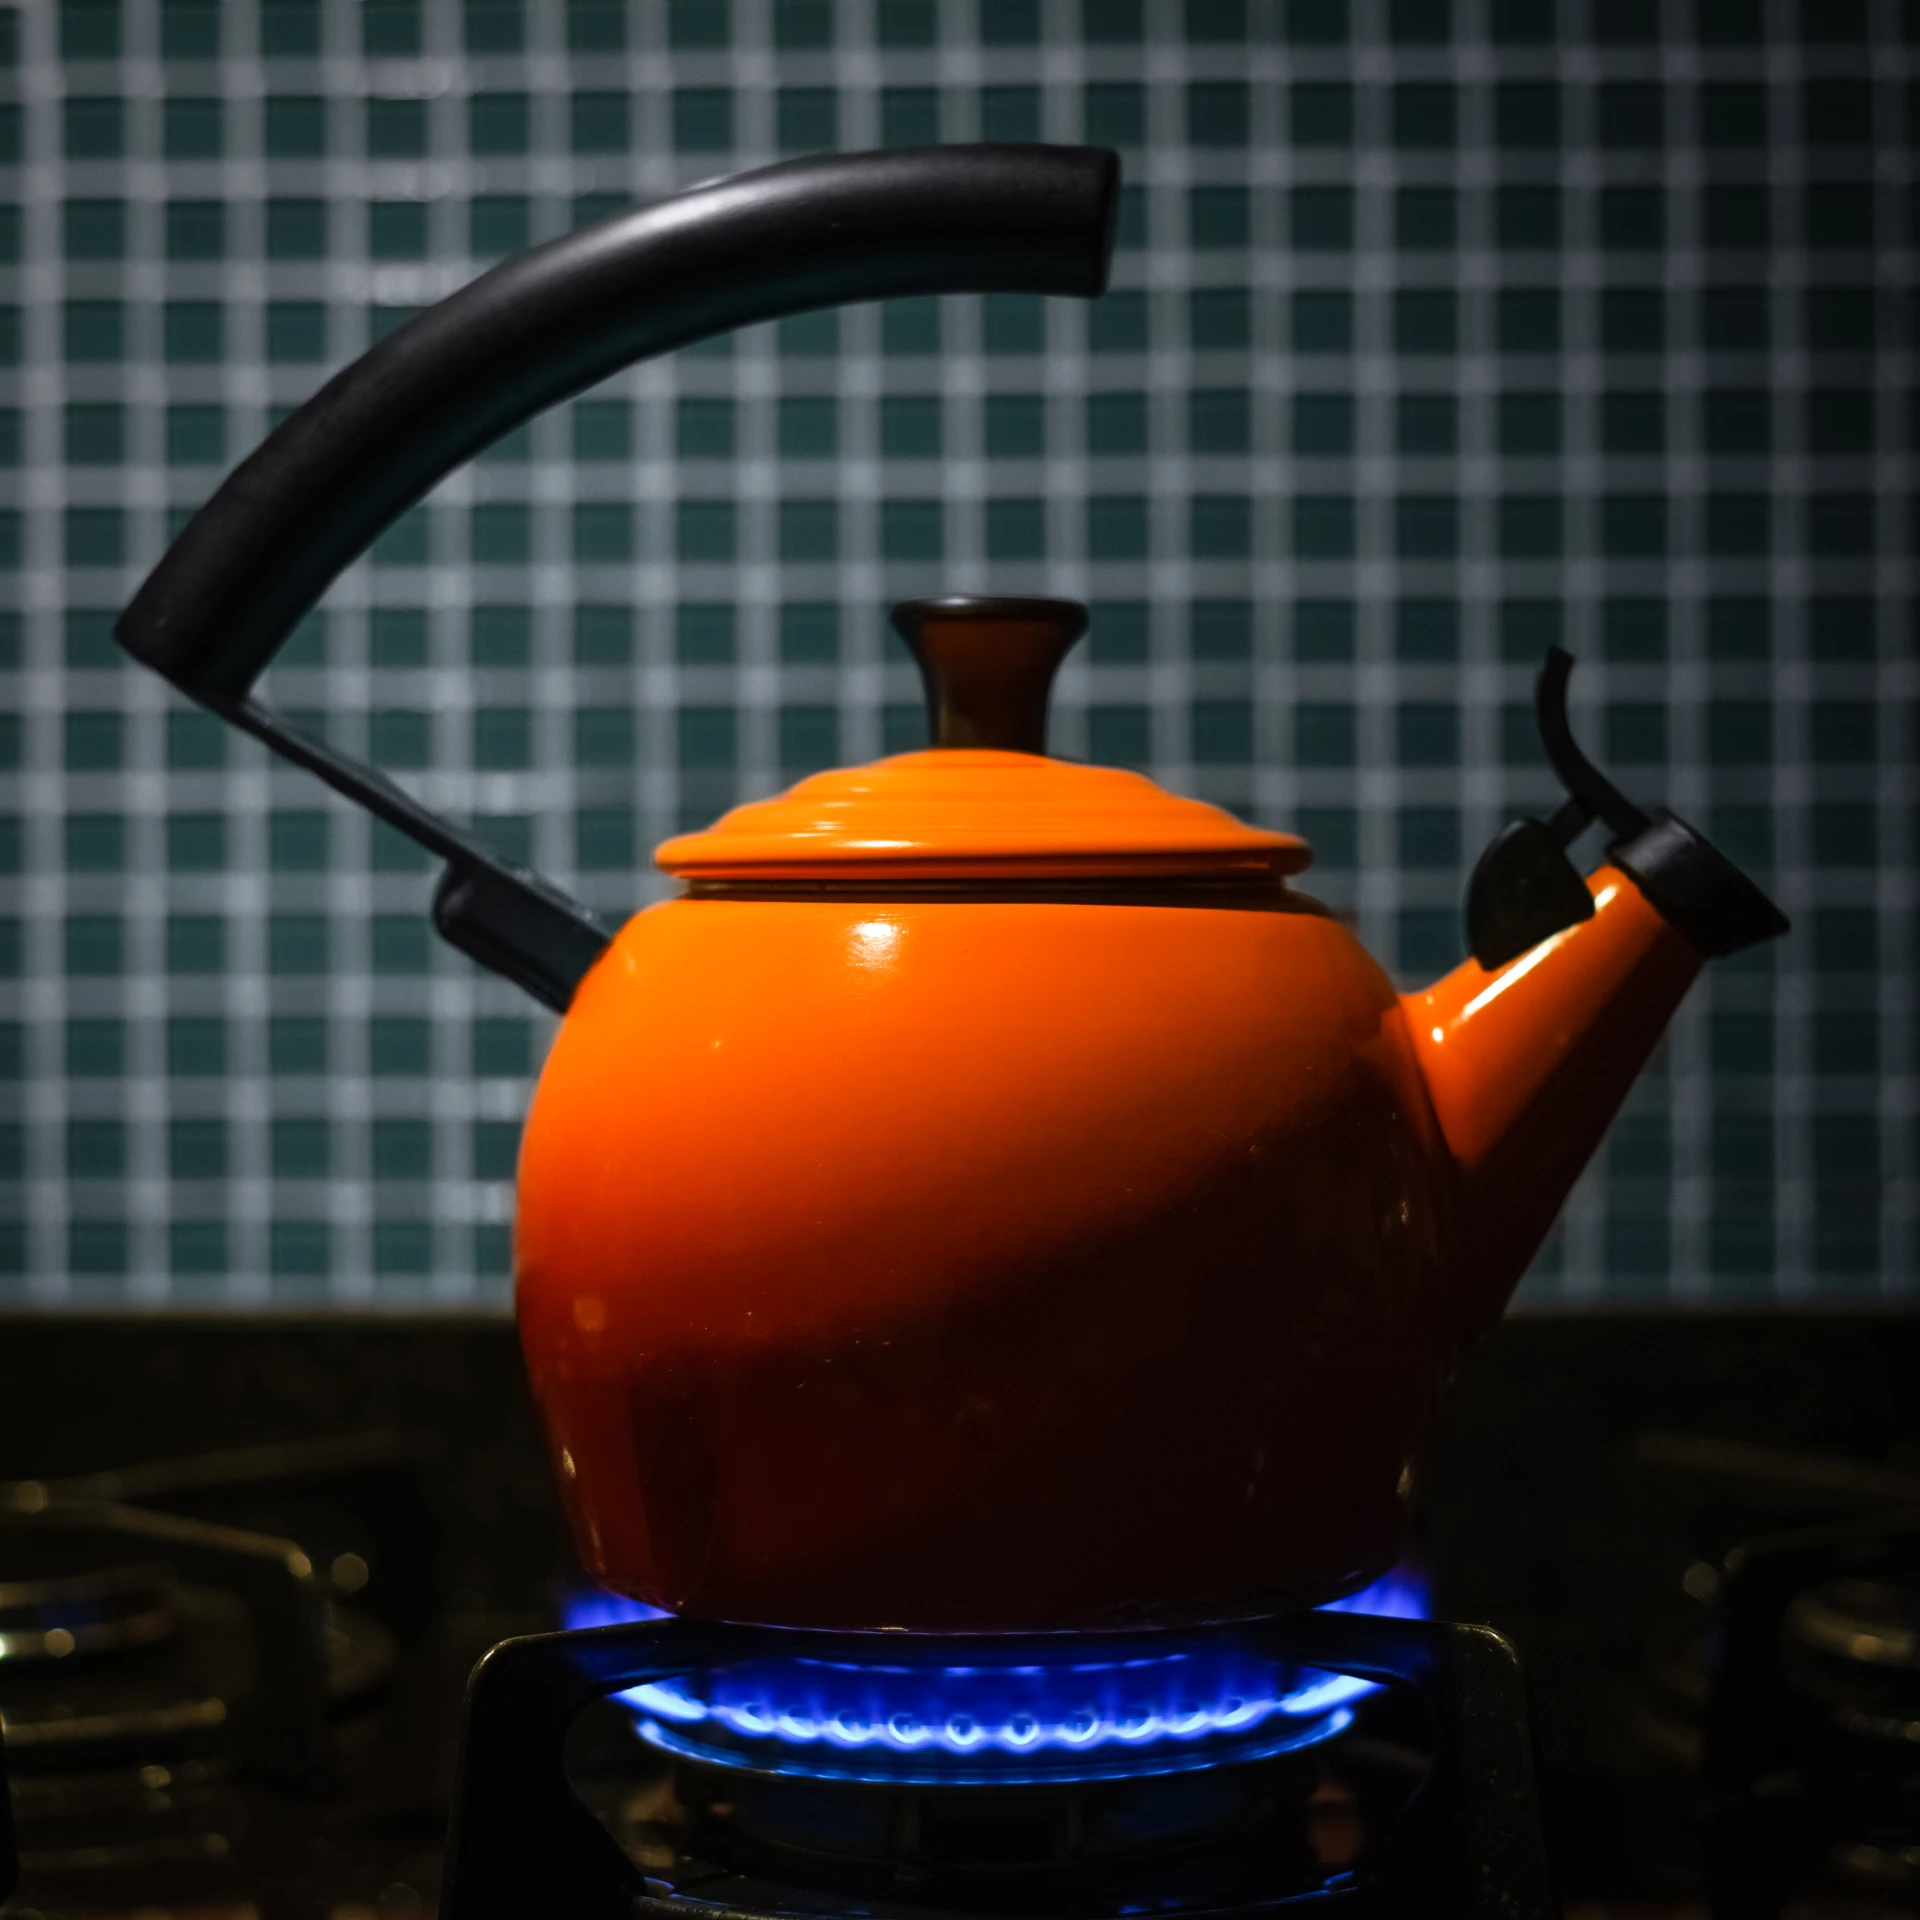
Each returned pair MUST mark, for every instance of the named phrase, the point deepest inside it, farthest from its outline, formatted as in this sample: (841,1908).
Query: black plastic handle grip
(547,324)
(330,478)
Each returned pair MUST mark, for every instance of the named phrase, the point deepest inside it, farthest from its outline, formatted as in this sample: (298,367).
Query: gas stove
(203,1729)
(209,1670)
(353,1678)
(1781,1691)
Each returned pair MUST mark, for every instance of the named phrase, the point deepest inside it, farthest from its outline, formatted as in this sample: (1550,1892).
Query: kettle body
(984,1263)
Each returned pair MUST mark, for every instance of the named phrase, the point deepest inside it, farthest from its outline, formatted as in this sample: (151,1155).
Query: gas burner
(994,1723)
(1247,1829)
(85,1709)
(1175,1844)
(919,1719)
(90,1611)
(1792,1691)
(159,1649)
(1092,1776)
(1867,1630)
(1069,1775)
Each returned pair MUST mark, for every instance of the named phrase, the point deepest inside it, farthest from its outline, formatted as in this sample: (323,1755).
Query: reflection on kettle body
(875,944)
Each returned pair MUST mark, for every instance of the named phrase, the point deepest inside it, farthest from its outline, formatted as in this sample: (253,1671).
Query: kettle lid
(984,801)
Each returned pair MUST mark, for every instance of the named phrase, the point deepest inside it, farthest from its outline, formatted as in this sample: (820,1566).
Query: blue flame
(1399,1594)
(596,1607)
(916,1721)
(912,1721)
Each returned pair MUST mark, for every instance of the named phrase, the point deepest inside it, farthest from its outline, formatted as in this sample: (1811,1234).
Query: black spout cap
(1696,888)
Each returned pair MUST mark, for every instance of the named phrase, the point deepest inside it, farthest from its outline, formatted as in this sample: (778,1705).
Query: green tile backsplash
(1440,332)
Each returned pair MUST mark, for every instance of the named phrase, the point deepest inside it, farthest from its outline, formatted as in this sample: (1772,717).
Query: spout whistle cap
(1697,888)
(988,665)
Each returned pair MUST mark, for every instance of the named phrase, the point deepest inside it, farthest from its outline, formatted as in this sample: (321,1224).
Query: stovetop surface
(1585,1492)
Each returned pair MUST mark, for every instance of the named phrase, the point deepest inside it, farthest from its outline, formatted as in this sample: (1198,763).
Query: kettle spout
(1527,1065)
(1529,1047)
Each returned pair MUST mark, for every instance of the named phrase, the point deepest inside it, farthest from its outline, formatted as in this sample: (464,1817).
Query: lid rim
(994,866)
(979,813)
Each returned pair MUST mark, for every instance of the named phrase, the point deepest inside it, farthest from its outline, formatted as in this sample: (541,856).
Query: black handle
(541,327)
(546,325)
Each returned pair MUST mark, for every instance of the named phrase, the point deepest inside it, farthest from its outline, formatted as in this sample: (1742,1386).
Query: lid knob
(988,665)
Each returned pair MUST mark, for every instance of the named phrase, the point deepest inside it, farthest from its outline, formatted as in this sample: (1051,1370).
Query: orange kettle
(989,1196)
